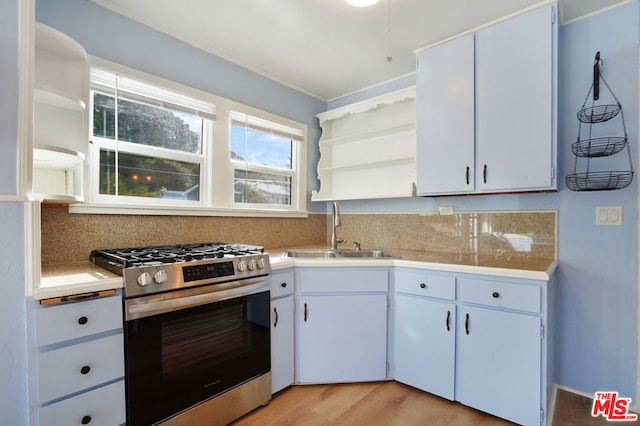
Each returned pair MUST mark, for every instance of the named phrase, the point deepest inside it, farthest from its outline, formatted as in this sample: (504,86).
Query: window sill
(140,209)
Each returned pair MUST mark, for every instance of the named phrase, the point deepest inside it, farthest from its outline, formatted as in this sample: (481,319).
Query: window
(154,148)
(148,142)
(262,154)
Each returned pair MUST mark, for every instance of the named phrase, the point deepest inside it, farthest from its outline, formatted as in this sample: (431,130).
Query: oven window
(211,334)
(178,359)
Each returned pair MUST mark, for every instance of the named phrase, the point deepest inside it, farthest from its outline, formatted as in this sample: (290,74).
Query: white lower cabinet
(79,363)
(498,364)
(341,323)
(500,348)
(424,332)
(478,340)
(282,330)
(103,406)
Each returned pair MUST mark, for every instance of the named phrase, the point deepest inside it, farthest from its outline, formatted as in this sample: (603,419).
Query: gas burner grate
(157,255)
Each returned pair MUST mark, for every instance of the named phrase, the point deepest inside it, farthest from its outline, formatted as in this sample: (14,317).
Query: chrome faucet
(335,222)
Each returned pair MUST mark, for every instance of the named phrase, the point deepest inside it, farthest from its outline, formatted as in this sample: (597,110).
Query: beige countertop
(83,277)
(514,266)
(74,278)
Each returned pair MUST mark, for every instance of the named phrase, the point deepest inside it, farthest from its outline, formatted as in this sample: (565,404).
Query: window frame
(216,166)
(256,123)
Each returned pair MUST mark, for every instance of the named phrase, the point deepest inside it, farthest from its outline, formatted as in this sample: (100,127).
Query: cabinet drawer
(344,281)
(77,367)
(425,284)
(520,297)
(104,406)
(281,284)
(69,321)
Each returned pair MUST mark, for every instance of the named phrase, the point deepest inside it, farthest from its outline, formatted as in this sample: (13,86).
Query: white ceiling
(326,48)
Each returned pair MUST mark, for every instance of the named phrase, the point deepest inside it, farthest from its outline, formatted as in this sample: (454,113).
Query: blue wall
(8,97)
(596,325)
(13,340)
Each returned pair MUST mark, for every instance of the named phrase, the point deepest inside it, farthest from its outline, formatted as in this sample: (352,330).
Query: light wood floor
(392,403)
(364,404)
(575,410)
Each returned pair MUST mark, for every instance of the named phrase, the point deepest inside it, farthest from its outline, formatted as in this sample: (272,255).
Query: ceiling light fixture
(362,3)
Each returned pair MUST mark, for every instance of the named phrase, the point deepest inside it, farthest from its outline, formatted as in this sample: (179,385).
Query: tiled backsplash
(531,234)
(71,237)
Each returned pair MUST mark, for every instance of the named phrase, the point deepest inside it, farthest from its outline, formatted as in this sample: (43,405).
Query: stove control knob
(160,276)
(144,279)
(242,266)
(261,263)
(251,264)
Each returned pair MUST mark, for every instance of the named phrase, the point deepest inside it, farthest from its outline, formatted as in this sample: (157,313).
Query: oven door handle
(141,309)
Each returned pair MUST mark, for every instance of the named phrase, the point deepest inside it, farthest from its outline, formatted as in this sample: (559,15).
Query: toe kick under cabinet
(479,340)
(78,363)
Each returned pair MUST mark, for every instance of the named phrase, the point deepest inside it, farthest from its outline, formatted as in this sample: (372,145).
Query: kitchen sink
(311,253)
(329,253)
(377,254)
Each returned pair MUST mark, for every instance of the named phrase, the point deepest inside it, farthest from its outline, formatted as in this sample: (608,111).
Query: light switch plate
(611,215)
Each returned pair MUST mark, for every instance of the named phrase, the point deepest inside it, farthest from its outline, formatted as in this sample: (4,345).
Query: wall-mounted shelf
(57,175)
(50,96)
(60,120)
(367,149)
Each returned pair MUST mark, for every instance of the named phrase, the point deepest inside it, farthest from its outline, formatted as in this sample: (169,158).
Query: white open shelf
(60,120)
(368,149)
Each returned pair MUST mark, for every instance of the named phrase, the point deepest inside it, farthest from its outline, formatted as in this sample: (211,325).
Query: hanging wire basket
(599,114)
(594,147)
(598,147)
(599,181)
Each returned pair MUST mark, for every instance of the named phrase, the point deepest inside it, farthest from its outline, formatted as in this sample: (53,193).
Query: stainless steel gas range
(197,333)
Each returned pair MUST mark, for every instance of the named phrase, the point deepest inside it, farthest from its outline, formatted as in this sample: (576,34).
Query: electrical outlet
(609,215)
(445,210)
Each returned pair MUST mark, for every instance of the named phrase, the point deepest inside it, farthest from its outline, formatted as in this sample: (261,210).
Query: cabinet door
(514,103)
(342,338)
(499,363)
(445,117)
(424,344)
(282,349)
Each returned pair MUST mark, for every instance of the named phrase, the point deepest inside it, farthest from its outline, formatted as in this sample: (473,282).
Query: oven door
(183,350)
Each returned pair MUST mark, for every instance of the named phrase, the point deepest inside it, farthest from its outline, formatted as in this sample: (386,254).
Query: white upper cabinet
(445,118)
(367,149)
(486,107)
(61,98)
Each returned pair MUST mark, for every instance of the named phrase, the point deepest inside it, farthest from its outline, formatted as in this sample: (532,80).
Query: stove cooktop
(157,269)
(156,255)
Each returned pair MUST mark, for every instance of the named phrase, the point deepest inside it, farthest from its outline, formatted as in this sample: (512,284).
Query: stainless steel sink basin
(377,254)
(329,253)
(311,253)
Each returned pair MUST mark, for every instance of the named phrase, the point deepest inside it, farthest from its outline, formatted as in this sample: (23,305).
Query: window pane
(104,122)
(147,125)
(142,176)
(257,147)
(261,188)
